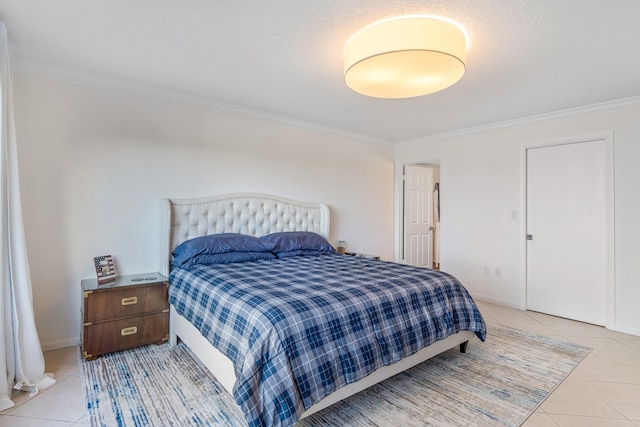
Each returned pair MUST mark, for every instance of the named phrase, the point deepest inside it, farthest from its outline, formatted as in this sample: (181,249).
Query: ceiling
(284,57)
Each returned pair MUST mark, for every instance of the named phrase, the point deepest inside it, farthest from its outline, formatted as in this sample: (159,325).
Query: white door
(418,216)
(566,231)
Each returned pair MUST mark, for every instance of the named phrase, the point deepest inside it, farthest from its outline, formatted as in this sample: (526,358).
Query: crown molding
(178,98)
(568,114)
(28,66)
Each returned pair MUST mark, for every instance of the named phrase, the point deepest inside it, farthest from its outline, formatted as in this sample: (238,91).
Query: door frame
(609,216)
(398,211)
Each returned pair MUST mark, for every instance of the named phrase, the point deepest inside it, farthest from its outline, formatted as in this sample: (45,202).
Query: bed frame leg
(463,347)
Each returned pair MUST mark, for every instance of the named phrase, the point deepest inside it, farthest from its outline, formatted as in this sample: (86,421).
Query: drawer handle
(129,300)
(129,331)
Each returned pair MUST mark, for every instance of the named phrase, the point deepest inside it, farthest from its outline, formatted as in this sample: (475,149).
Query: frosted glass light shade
(404,58)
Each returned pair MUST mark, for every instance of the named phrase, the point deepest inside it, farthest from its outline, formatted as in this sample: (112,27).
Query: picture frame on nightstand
(105,269)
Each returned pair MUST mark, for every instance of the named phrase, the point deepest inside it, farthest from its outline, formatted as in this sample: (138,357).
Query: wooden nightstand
(130,312)
(359,255)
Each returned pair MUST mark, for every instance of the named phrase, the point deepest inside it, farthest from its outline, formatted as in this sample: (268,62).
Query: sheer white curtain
(20,351)
(436,220)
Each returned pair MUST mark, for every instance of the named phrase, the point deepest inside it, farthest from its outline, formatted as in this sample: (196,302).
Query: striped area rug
(496,383)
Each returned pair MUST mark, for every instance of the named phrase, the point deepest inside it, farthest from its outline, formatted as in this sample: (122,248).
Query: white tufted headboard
(246,213)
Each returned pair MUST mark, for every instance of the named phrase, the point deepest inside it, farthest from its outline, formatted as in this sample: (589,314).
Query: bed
(259,215)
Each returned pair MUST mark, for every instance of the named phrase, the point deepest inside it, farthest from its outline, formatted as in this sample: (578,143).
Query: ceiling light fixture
(405,57)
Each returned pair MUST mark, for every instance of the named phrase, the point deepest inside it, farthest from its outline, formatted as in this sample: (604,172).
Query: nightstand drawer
(111,304)
(125,333)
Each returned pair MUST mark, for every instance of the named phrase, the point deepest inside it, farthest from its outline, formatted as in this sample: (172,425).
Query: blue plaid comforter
(299,328)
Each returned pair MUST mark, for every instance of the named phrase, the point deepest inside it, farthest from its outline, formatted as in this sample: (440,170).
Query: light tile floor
(603,391)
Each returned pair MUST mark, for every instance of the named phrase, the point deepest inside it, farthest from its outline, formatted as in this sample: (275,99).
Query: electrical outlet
(486,270)
(498,271)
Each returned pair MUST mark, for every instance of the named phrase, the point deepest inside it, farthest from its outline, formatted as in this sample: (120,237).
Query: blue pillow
(218,244)
(228,258)
(290,241)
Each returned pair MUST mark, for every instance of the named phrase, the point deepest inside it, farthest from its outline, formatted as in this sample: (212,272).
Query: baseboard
(627,330)
(513,304)
(54,345)
(497,301)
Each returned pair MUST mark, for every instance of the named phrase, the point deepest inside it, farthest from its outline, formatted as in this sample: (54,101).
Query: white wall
(95,162)
(481,194)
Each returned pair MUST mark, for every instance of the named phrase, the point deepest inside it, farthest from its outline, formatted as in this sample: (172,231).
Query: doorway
(568,221)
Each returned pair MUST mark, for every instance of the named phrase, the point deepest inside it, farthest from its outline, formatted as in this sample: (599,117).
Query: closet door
(566,231)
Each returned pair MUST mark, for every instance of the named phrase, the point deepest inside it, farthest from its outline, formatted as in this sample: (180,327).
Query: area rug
(496,383)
